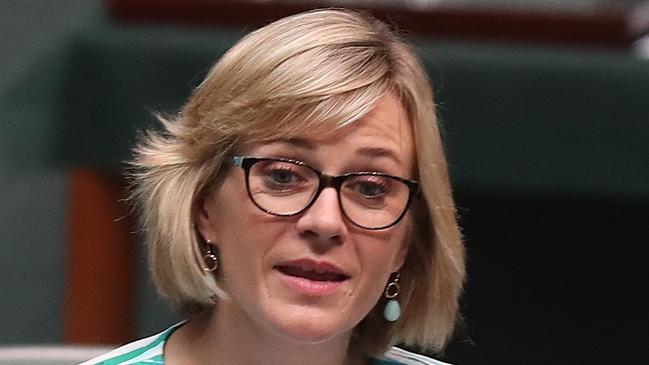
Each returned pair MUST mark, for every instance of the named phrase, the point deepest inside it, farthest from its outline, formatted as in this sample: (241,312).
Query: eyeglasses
(285,187)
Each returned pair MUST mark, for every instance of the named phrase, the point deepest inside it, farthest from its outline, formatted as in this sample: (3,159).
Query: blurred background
(545,111)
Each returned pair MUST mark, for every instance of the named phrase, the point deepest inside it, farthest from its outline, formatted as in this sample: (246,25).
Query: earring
(210,260)
(392,310)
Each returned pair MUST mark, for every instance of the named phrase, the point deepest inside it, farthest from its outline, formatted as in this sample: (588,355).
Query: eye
(370,189)
(282,173)
(282,176)
(370,186)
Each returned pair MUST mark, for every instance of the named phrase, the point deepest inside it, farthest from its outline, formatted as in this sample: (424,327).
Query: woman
(298,209)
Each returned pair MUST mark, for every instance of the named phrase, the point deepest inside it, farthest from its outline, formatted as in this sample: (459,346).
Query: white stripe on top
(410,358)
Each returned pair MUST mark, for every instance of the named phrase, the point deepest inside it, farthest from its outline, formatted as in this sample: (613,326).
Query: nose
(324,220)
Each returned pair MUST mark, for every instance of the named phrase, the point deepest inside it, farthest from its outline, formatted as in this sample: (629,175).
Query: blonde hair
(304,74)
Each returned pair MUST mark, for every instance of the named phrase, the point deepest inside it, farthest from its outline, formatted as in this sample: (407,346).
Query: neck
(229,336)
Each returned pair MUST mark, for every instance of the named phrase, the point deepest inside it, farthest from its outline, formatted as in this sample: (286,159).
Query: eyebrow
(299,142)
(374,152)
(378,152)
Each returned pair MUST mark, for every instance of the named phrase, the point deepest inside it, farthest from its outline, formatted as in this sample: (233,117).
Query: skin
(266,321)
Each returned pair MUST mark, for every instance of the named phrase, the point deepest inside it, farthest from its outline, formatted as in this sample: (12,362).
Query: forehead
(384,133)
(386,125)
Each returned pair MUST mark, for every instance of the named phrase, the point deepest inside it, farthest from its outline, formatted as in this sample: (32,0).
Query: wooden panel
(602,29)
(101,258)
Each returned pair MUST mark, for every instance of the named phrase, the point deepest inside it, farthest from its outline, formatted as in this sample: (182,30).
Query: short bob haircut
(302,75)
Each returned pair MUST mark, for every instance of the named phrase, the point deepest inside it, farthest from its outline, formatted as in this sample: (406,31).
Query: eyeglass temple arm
(237,161)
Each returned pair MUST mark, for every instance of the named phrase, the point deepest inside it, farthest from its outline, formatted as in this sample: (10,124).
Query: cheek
(231,222)
(379,259)
(376,272)
(232,214)
(381,256)
(242,255)
(389,248)
(245,238)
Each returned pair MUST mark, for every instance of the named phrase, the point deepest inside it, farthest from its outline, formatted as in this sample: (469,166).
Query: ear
(401,255)
(400,258)
(202,217)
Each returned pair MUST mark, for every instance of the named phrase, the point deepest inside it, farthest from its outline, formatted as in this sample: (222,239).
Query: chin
(307,335)
(306,327)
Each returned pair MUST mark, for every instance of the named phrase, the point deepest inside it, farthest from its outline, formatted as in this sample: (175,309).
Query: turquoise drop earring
(392,310)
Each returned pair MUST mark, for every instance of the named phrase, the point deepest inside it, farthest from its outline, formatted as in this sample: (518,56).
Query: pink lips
(310,277)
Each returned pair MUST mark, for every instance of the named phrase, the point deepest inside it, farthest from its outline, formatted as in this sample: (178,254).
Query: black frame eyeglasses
(286,187)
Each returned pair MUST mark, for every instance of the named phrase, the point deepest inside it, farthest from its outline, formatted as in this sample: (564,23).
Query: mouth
(312,277)
(311,274)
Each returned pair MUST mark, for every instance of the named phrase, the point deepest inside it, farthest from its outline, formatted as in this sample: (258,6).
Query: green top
(148,351)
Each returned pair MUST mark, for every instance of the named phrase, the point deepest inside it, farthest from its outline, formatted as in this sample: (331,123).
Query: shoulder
(398,356)
(144,351)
